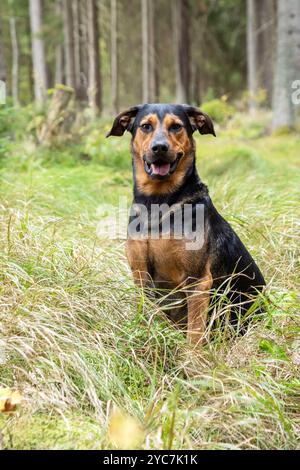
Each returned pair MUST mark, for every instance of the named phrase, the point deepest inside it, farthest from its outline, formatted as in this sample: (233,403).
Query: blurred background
(115,53)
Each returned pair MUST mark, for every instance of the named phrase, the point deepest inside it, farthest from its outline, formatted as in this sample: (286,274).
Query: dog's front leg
(137,255)
(198,303)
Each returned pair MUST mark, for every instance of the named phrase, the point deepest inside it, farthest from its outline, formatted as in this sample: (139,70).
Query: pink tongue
(161,170)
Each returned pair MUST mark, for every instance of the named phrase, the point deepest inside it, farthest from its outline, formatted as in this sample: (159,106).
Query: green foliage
(12,121)
(111,152)
(4,147)
(218,109)
(273,349)
(17,122)
(244,126)
(222,40)
(283,130)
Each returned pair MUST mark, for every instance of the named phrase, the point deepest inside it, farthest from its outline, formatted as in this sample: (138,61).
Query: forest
(87,360)
(99,49)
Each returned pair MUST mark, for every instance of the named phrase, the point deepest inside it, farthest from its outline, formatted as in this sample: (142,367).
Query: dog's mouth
(160,169)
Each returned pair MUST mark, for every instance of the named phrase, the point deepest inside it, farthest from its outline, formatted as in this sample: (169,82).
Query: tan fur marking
(175,266)
(142,140)
(198,303)
(137,256)
(179,141)
(170,260)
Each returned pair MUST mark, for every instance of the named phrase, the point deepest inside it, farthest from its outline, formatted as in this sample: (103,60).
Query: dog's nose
(160,147)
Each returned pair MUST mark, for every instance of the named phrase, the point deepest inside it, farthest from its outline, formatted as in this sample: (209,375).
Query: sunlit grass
(79,341)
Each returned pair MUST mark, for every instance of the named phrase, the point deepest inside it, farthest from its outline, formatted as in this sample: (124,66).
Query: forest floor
(95,363)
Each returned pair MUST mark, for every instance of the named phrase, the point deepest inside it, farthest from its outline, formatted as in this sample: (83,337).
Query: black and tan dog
(164,170)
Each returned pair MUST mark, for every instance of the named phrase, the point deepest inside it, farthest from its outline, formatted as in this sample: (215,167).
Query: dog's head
(162,142)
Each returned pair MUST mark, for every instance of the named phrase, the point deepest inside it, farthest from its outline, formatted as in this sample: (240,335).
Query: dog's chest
(169,260)
(165,260)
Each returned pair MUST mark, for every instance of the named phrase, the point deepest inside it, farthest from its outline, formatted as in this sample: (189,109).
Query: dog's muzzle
(160,169)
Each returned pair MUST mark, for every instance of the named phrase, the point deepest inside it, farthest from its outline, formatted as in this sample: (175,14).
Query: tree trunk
(29,66)
(287,63)
(114,57)
(94,91)
(181,39)
(59,53)
(56,115)
(145,46)
(151,54)
(148,43)
(76,25)
(251,54)
(79,78)
(15,61)
(296,58)
(69,43)
(2,56)
(266,22)
(84,47)
(156,43)
(196,84)
(38,51)
(3,77)
(59,65)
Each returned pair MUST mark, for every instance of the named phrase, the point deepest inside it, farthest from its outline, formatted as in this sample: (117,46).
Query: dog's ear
(199,120)
(124,121)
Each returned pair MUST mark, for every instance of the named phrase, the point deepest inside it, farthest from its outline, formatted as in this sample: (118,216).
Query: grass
(94,360)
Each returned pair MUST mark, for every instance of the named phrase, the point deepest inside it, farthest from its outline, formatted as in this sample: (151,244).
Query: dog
(164,173)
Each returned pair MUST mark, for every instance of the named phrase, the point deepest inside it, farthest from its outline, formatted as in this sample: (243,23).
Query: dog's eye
(175,127)
(146,127)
